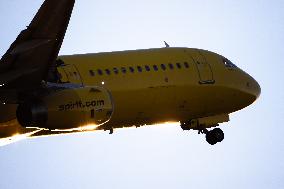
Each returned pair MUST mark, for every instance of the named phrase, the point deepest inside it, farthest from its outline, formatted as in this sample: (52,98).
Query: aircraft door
(203,67)
(72,74)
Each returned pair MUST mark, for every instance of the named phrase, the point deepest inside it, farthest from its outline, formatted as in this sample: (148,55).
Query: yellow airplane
(43,94)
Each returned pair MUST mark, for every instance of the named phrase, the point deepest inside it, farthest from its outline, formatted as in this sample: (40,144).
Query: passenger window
(186,64)
(163,66)
(92,73)
(123,70)
(115,70)
(131,69)
(139,68)
(178,65)
(107,71)
(147,68)
(155,67)
(171,66)
(100,72)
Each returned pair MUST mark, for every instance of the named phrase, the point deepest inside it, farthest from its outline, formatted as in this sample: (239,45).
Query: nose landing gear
(212,137)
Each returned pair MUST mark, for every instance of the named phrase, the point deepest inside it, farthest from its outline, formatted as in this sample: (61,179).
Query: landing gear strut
(111,131)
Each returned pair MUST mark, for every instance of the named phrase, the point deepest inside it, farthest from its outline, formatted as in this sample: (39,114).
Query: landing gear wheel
(214,136)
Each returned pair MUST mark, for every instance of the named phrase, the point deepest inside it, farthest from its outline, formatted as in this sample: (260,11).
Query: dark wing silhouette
(28,60)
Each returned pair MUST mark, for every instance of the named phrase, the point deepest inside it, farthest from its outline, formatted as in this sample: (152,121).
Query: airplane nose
(254,88)
(258,89)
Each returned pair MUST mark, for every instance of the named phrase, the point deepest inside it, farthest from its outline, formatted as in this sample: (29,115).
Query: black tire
(214,136)
(218,134)
(210,138)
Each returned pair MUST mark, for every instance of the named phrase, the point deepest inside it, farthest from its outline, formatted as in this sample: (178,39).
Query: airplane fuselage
(159,85)
(154,86)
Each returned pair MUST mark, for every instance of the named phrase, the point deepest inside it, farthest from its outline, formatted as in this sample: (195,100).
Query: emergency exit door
(203,67)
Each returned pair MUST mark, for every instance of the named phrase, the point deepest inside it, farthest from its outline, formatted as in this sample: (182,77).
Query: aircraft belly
(158,105)
(154,105)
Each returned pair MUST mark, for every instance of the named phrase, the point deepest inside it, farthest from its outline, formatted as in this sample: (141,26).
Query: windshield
(228,63)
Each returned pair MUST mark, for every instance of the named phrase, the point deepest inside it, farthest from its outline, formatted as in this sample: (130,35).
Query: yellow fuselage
(153,86)
(159,85)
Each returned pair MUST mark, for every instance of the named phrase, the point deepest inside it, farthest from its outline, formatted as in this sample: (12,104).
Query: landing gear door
(72,74)
(203,67)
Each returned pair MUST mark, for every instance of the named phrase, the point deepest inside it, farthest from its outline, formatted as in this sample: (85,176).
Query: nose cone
(253,88)
(258,89)
(245,91)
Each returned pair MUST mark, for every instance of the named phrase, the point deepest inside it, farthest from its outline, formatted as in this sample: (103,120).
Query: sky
(250,33)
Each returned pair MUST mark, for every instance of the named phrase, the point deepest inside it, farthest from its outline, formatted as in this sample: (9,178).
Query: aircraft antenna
(167,45)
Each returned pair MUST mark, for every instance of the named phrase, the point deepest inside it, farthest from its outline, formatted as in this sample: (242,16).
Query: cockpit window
(228,63)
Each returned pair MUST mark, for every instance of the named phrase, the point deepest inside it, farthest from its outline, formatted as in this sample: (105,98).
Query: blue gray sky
(250,33)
